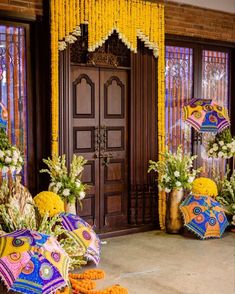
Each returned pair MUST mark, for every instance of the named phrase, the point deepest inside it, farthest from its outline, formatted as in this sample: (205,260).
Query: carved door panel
(114,157)
(84,108)
(98,132)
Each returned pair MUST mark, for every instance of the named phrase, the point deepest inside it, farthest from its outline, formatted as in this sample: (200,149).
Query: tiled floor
(157,263)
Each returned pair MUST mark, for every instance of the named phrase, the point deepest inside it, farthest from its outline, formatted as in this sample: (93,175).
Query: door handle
(100,145)
(106,223)
(106,157)
(97,142)
(103,138)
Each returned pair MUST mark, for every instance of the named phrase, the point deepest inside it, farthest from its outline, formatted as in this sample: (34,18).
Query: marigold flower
(204,186)
(49,202)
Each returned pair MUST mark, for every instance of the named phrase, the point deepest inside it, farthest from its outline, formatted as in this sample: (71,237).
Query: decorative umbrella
(3,116)
(83,234)
(205,115)
(32,263)
(204,216)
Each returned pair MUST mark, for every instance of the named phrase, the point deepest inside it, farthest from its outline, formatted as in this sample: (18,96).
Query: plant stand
(70,207)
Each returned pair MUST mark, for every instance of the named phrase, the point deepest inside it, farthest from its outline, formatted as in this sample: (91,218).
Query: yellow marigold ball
(49,202)
(204,186)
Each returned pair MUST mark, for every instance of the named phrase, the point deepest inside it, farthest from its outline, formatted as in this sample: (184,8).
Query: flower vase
(70,207)
(174,222)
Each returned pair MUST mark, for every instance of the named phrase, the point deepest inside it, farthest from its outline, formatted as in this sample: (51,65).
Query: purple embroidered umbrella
(83,234)
(32,263)
(205,115)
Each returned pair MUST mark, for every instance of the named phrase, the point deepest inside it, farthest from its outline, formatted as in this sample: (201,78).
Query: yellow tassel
(54,73)
(63,20)
(82,10)
(60,17)
(78,10)
(74,14)
(70,16)
(86,11)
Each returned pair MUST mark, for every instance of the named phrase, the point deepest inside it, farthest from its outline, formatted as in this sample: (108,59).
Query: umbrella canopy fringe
(203,238)
(188,228)
(5,282)
(194,232)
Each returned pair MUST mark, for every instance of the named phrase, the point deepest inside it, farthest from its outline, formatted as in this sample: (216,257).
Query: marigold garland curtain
(132,19)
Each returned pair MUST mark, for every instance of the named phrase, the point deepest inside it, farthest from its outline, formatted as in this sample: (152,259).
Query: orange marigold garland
(92,274)
(83,284)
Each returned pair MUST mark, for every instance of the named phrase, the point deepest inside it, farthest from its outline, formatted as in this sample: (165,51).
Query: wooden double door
(99,132)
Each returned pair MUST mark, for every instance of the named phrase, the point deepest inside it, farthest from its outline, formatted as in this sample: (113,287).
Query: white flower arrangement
(175,171)
(11,159)
(67,184)
(226,193)
(222,146)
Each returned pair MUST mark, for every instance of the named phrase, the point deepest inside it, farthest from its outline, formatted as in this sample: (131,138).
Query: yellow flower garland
(131,19)
(161,114)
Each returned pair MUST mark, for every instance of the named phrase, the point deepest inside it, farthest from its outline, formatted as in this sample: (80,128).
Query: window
(179,91)
(215,76)
(215,85)
(194,71)
(13,93)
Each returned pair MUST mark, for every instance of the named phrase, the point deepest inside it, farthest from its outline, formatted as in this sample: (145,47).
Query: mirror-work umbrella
(83,234)
(204,216)
(204,115)
(32,263)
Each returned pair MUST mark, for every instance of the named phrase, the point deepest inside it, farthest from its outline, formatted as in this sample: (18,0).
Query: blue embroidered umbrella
(204,216)
(205,115)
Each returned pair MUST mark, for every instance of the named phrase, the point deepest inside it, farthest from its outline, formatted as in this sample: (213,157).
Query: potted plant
(175,174)
(10,156)
(67,183)
(226,195)
(222,145)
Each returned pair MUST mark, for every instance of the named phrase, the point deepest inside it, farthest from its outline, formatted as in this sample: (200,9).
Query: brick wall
(187,20)
(26,7)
